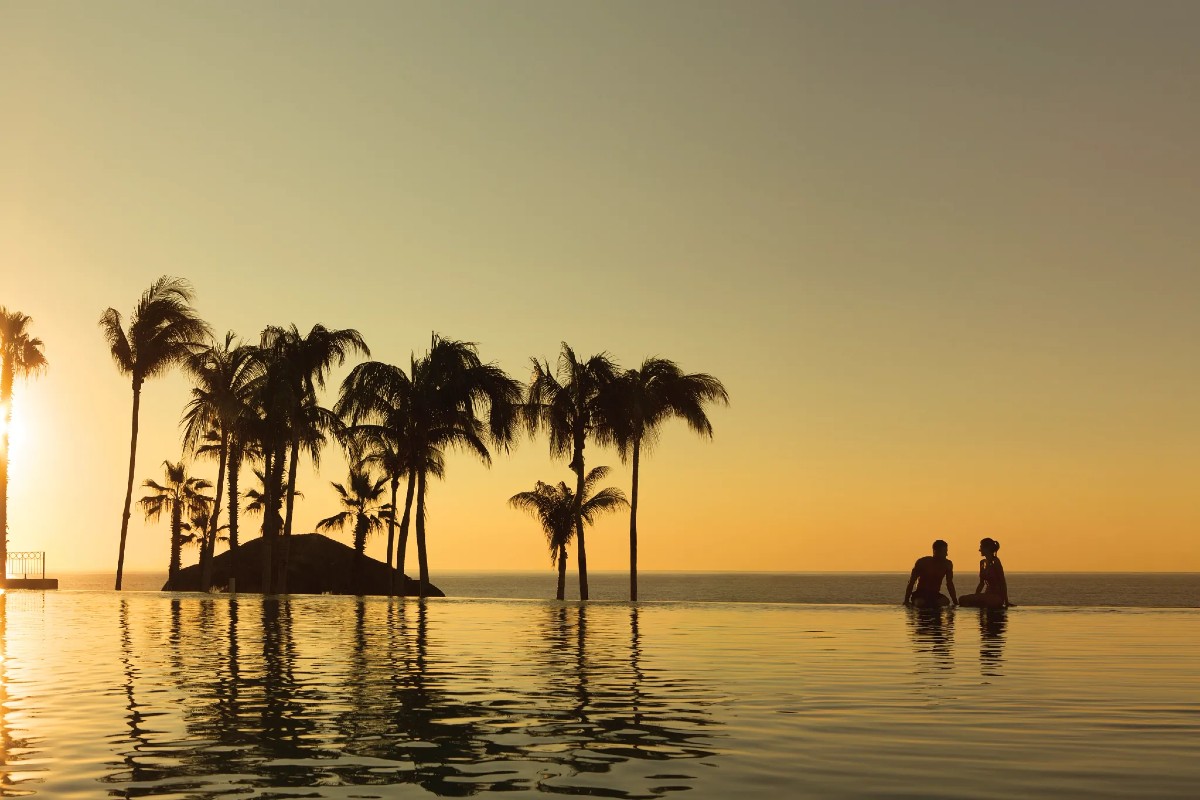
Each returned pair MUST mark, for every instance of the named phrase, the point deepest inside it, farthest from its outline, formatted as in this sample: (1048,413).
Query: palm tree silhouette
(163,331)
(377,403)
(360,501)
(554,506)
(257,500)
(638,403)
(449,398)
(568,403)
(197,530)
(222,376)
(20,356)
(451,388)
(182,497)
(304,361)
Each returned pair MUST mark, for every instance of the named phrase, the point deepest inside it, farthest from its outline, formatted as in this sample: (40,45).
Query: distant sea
(1095,589)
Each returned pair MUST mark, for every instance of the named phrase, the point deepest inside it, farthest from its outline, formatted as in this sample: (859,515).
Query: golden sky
(943,255)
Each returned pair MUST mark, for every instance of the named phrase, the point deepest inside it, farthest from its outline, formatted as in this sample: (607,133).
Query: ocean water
(148,694)
(1097,589)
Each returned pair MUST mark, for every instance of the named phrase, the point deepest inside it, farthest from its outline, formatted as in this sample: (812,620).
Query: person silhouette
(992,591)
(927,575)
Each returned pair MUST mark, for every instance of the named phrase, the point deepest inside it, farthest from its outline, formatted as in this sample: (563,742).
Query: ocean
(1088,589)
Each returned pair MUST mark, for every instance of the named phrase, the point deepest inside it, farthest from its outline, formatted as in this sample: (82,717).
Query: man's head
(940,548)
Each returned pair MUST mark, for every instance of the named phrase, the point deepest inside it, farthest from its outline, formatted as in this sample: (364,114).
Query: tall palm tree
(20,356)
(458,401)
(449,398)
(163,331)
(182,497)
(305,361)
(554,506)
(377,405)
(638,403)
(568,403)
(360,501)
(222,375)
(269,434)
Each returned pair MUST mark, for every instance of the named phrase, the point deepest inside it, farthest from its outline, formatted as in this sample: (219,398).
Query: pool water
(185,696)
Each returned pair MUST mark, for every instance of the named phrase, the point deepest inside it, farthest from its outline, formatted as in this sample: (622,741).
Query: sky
(942,255)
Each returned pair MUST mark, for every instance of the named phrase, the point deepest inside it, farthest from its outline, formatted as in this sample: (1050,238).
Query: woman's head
(988,546)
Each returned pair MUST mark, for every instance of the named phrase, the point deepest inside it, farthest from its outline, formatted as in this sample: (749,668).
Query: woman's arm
(982,566)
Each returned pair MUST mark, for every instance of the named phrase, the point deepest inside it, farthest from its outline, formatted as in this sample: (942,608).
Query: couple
(929,572)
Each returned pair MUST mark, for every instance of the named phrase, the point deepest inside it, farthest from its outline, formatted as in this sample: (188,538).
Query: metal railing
(22,563)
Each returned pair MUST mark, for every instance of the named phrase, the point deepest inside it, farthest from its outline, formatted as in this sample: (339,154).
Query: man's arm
(950,584)
(912,579)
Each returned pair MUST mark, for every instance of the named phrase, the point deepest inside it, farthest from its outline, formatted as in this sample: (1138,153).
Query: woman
(992,591)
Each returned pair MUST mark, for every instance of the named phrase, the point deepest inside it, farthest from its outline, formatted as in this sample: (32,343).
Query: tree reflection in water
(992,622)
(368,692)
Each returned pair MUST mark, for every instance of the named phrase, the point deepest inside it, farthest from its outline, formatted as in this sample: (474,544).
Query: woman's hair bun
(989,544)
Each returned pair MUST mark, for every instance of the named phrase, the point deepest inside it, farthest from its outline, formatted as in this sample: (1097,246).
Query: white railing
(21,564)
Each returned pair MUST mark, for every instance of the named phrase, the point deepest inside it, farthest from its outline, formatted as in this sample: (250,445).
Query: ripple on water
(193,696)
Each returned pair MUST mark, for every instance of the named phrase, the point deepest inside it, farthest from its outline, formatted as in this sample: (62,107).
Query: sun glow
(17,429)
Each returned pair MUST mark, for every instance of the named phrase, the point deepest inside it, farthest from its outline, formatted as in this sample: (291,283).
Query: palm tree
(20,356)
(305,361)
(638,403)
(257,500)
(181,496)
(568,403)
(360,501)
(198,530)
(163,331)
(449,398)
(554,506)
(376,402)
(453,392)
(222,376)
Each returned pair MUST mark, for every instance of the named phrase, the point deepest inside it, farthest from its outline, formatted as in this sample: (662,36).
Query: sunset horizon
(693,398)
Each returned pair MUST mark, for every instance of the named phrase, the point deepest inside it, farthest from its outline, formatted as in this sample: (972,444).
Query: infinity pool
(187,696)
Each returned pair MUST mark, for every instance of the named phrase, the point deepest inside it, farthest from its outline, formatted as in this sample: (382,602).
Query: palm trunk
(268,472)
(285,548)
(277,519)
(562,572)
(633,500)
(176,545)
(402,545)
(6,382)
(391,588)
(210,540)
(235,465)
(360,544)
(422,555)
(137,401)
(577,464)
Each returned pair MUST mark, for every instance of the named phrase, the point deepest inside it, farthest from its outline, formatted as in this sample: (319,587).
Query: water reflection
(932,633)
(379,693)
(15,750)
(992,622)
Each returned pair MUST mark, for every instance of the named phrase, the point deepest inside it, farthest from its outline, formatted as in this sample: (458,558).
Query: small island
(316,565)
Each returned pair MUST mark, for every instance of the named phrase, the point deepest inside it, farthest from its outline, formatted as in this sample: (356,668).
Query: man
(928,574)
